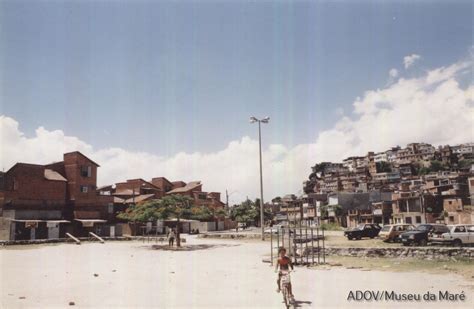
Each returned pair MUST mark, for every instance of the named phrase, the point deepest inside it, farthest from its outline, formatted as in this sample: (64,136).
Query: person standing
(171,237)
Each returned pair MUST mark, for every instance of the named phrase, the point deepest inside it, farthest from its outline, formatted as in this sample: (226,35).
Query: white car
(459,234)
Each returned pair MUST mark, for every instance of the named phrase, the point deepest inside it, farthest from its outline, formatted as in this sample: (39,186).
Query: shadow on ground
(299,303)
(190,247)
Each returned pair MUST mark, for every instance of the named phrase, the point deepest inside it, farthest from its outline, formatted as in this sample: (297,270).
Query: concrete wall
(203,226)
(433,253)
(4,229)
(220,226)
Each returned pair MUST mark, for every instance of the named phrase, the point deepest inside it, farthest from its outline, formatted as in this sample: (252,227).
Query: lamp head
(266,119)
(253,119)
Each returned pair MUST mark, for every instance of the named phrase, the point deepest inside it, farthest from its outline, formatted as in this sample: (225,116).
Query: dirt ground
(207,273)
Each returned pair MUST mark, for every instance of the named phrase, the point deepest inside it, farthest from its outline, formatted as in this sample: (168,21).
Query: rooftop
(188,187)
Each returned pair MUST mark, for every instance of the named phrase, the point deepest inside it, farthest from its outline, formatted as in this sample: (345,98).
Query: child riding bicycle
(283,264)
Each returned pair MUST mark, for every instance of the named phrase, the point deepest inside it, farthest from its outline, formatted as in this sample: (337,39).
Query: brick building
(46,201)
(193,189)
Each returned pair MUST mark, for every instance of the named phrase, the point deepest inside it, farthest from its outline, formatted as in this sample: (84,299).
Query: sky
(165,88)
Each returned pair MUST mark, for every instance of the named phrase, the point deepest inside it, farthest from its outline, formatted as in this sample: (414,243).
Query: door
(470,230)
(53,232)
(112,231)
(461,233)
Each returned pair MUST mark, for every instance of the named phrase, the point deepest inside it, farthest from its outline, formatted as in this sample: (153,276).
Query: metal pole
(317,240)
(262,219)
(324,249)
(301,243)
(289,244)
(306,242)
(312,247)
(293,246)
(278,241)
(271,246)
(283,237)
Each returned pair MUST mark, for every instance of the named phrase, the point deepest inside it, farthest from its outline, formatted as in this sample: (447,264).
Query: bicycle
(285,282)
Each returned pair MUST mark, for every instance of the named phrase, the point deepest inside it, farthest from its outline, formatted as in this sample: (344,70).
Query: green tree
(267,213)
(245,213)
(320,168)
(205,213)
(170,206)
(465,163)
(436,166)
(276,200)
(383,167)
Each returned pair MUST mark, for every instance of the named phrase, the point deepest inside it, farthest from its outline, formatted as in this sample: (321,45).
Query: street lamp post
(264,120)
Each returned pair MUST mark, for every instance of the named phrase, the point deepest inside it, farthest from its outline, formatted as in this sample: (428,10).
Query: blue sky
(165,77)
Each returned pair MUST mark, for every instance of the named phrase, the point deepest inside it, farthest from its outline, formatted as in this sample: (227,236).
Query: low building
(455,212)
(407,208)
(193,189)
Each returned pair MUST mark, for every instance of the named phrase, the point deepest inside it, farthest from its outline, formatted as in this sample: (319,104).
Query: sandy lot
(214,274)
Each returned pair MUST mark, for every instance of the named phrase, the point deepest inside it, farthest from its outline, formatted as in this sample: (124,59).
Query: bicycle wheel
(285,297)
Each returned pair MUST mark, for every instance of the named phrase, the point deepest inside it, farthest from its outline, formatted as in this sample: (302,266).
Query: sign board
(87,223)
(378,212)
(31,224)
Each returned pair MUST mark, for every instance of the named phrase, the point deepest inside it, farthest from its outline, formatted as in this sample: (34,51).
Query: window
(84,189)
(111,208)
(86,171)
(202,196)
(418,219)
(441,229)
(451,218)
(408,220)
(459,229)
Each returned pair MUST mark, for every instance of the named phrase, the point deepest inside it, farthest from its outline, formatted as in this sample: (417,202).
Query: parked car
(458,235)
(390,232)
(423,234)
(362,230)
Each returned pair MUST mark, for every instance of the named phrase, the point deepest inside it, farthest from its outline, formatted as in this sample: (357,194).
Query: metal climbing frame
(305,245)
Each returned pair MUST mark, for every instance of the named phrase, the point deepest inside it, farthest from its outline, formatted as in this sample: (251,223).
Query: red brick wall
(162,183)
(178,184)
(27,182)
(72,164)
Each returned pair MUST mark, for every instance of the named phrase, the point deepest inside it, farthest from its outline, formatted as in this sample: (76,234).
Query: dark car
(423,234)
(363,230)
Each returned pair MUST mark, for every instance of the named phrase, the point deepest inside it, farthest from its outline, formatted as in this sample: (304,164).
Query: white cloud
(408,61)
(433,108)
(393,73)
